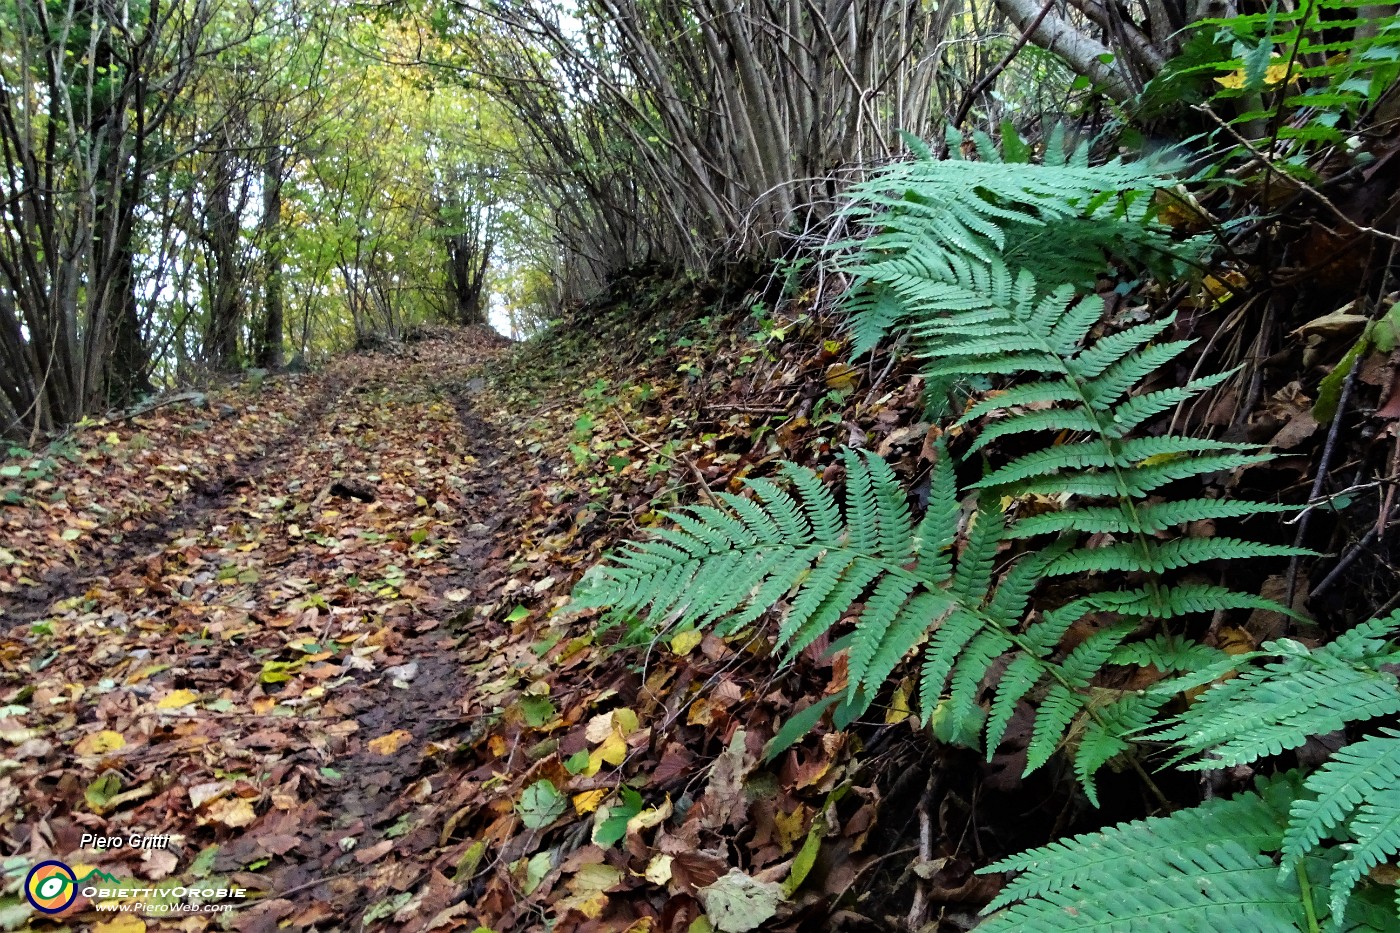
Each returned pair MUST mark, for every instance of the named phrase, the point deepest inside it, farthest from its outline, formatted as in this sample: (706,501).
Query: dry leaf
(176,699)
(100,743)
(389,743)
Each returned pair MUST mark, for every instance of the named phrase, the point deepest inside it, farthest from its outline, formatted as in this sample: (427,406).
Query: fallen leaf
(540,805)
(232,813)
(588,801)
(176,699)
(389,743)
(100,743)
(737,903)
(685,642)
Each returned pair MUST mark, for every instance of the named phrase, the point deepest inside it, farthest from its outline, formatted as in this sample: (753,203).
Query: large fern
(1213,867)
(936,268)
(933,270)
(1240,863)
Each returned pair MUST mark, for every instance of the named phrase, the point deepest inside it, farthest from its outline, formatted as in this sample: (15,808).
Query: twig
(301,887)
(918,909)
(1347,560)
(991,76)
(894,357)
(685,461)
(1331,497)
(1322,199)
(1322,469)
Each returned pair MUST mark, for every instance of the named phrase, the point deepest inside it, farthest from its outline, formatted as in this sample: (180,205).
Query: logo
(51,887)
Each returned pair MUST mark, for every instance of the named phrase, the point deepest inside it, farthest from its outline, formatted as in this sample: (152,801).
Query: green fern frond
(1103,738)
(1052,719)
(1269,709)
(1358,787)
(1204,868)
(1161,556)
(1090,862)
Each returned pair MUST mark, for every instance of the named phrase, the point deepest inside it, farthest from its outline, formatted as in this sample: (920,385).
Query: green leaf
(610,825)
(797,726)
(541,804)
(538,710)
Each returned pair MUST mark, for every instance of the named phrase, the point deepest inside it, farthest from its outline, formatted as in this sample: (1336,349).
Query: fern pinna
(1258,861)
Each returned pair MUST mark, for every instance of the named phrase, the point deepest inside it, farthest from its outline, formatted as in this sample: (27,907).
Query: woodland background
(938,432)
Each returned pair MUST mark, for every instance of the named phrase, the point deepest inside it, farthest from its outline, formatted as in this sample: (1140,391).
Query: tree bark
(1079,50)
(226,299)
(270,347)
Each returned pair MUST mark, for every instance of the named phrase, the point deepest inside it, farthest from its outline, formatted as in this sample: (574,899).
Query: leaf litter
(313,631)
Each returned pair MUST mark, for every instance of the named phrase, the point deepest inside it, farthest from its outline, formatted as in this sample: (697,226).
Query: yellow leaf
(232,813)
(899,705)
(390,743)
(121,923)
(652,816)
(114,439)
(625,720)
(619,720)
(146,672)
(1233,640)
(176,699)
(685,642)
(841,377)
(613,750)
(100,743)
(1274,74)
(1160,458)
(588,801)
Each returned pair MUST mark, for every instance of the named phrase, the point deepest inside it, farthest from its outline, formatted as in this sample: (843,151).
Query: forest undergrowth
(325,651)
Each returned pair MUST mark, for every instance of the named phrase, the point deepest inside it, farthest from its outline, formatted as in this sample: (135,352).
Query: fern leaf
(892,508)
(1352,776)
(937,531)
(1032,393)
(784,510)
(973,578)
(1052,419)
(1052,718)
(1020,677)
(920,615)
(972,668)
(833,604)
(821,511)
(1274,708)
(1103,737)
(1161,556)
(1376,828)
(880,612)
(1110,350)
(948,641)
(862,513)
(1091,864)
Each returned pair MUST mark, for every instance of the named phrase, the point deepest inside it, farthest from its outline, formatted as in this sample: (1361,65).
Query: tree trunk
(270,349)
(226,300)
(467,264)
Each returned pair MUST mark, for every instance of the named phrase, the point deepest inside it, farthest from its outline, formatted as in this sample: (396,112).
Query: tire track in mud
(376,797)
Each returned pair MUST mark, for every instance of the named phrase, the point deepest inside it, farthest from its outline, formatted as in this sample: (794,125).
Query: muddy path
(268,669)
